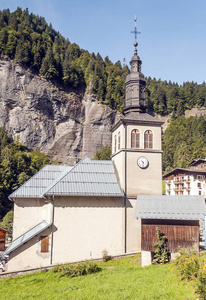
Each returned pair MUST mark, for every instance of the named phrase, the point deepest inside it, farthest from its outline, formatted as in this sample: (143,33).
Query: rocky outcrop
(66,125)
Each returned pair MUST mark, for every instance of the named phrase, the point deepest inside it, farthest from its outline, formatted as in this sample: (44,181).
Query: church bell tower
(136,138)
(135,86)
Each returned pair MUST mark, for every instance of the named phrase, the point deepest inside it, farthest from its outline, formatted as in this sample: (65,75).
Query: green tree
(49,67)
(161,254)
(17,164)
(104,153)
(7,220)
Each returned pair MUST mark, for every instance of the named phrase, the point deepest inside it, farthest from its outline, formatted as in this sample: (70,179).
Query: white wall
(86,226)
(83,228)
(28,213)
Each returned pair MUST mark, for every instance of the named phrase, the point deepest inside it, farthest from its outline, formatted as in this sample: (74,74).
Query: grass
(120,279)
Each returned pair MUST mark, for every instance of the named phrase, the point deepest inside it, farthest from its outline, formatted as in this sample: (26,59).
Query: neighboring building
(3,234)
(190,181)
(176,216)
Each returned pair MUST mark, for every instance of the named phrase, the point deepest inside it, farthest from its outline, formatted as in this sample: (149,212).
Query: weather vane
(135,34)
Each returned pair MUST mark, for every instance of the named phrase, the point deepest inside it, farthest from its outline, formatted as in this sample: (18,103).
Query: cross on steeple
(135,35)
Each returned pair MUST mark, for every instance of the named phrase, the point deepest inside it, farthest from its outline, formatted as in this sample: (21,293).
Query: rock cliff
(66,125)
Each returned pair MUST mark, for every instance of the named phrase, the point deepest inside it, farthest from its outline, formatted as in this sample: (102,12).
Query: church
(72,213)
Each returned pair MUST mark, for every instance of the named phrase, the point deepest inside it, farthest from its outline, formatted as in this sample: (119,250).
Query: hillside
(65,125)
(122,278)
(63,100)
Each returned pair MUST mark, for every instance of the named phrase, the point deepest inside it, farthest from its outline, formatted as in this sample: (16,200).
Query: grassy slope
(119,279)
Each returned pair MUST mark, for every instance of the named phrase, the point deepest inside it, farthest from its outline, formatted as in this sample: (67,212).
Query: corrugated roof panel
(88,188)
(170,207)
(27,236)
(94,167)
(36,185)
(88,177)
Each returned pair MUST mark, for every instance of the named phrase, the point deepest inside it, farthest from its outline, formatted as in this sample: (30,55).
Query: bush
(200,283)
(79,269)
(187,265)
(161,255)
(106,257)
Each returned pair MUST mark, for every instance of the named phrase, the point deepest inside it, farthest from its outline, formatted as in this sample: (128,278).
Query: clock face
(142,162)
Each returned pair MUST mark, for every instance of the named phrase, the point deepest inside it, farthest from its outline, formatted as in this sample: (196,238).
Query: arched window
(115,143)
(118,140)
(148,139)
(135,138)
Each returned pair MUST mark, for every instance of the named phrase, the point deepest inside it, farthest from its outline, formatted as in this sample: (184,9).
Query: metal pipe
(52,230)
(125,190)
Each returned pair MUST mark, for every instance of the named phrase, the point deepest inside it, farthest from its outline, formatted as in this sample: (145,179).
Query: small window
(188,192)
(135,138)
(199,185)
(118,140)
(44,244)
(200,193)
(148,139)
(115,143)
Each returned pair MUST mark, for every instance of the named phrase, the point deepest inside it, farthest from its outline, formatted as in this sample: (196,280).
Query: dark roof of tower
(138,118)
(142,117)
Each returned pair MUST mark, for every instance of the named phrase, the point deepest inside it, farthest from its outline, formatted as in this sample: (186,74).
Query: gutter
(125,191)
(52,230)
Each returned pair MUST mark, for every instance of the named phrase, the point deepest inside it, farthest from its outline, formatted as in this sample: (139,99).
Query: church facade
(66,214)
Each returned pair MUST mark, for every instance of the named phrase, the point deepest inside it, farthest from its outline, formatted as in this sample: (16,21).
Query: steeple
(135,83)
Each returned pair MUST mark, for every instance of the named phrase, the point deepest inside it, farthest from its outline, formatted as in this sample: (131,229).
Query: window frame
(115,143)
(118,142)
(135,139)
(148,139)
(44,239)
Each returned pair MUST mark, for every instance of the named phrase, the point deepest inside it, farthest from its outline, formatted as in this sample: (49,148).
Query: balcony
(188,188)
(179,188)
(180,180)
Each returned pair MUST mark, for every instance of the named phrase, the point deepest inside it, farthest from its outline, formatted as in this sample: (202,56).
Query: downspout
(52,230)
(125,191)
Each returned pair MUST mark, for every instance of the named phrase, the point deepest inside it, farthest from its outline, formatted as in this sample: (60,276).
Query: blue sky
(172,43)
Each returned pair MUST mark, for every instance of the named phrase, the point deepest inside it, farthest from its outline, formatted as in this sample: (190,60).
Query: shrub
(79,269)
(106,257)
(187,265)
(200,283)
(161,255)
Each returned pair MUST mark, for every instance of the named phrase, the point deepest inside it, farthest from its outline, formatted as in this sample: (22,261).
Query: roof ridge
(61,176)
(53,183)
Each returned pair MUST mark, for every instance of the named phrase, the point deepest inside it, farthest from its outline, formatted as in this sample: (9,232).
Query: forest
(30,41)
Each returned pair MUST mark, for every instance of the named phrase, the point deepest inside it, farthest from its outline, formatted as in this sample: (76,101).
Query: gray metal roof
(36,186)
(27,236)
(170,207)
(142,117)
(88,178)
